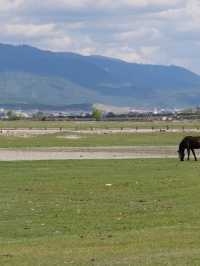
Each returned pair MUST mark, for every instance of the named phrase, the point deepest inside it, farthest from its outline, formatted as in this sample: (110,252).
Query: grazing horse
(189,143)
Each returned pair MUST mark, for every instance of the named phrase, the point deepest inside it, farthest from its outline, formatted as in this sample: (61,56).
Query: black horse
(189,143)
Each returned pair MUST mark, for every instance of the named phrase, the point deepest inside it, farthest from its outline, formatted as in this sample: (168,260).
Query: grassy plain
(116,212)
(100,124)
(93,140)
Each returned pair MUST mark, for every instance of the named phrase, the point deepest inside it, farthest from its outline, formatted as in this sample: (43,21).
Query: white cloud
(59,43)
(6,5)
(137,35)
(103,5)
(193,10)
(29,30)
(143,31)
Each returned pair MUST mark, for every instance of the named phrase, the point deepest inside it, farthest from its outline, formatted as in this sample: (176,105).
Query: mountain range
(31,76)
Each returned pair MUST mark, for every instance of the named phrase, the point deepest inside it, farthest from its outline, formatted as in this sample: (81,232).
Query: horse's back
(192,141)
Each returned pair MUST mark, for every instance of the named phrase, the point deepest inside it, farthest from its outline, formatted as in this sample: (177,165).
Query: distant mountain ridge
(32,76)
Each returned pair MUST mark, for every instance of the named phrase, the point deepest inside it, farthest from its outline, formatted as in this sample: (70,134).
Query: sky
(163,32)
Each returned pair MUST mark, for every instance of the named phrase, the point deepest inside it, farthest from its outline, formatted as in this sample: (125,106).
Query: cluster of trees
(12,115)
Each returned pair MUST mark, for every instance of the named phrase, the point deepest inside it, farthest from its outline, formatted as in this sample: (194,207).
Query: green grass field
(58,140)
(92,140)
(63,213)
(100,124)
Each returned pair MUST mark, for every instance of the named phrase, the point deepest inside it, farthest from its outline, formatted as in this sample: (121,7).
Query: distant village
(101,112)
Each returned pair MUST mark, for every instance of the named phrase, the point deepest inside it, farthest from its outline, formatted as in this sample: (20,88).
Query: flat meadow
(86,134)
(91,140)
(78,125)
(100,212)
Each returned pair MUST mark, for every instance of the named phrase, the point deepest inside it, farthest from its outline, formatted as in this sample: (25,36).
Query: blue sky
(143,31)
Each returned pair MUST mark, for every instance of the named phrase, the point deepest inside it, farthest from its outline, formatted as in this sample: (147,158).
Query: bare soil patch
(88,153)
(69,137)
(24,132)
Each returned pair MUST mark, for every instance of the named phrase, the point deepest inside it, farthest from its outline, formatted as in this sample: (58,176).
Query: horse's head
(181,154)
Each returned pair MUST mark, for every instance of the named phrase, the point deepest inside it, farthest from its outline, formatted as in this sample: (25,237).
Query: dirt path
(88,153)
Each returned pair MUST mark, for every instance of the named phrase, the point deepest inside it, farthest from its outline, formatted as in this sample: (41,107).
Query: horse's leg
(194,154)
(188,151)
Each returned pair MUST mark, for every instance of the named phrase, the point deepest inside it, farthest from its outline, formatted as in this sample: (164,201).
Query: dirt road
(88,153)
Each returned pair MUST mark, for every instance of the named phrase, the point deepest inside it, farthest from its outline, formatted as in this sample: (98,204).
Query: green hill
(27,88)
(31,76)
